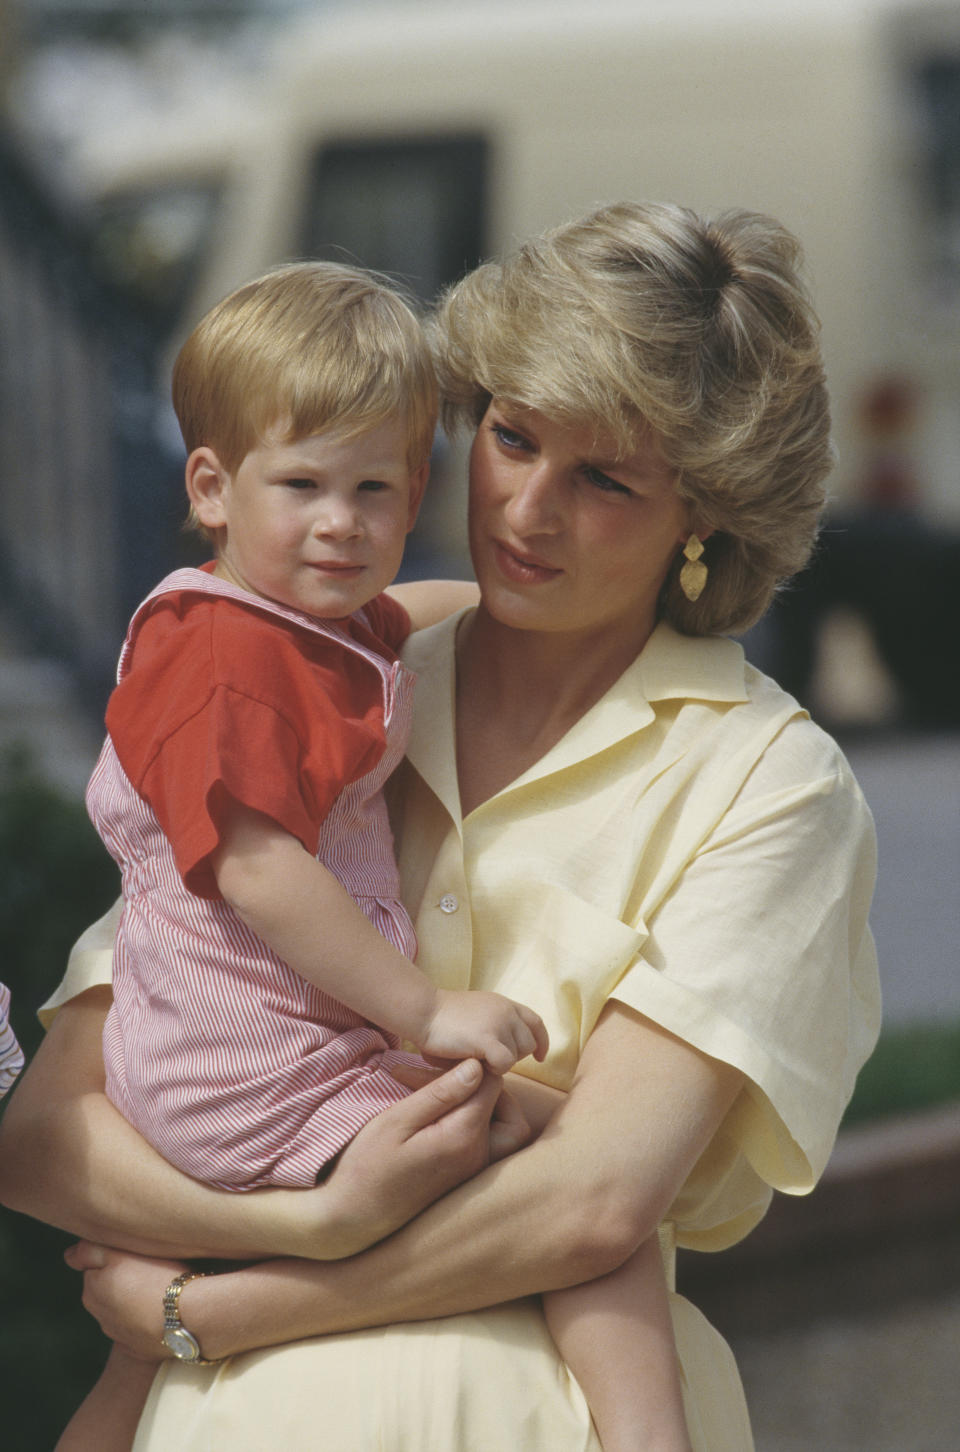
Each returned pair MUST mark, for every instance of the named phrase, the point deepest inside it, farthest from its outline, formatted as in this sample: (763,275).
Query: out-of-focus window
(151,242)
(412,208)
(938,93)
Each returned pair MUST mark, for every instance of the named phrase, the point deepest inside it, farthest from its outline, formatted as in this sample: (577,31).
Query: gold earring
(693,575)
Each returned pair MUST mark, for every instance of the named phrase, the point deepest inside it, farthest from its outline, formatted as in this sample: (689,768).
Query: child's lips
(336,567)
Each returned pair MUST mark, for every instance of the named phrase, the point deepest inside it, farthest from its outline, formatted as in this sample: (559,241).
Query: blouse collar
(670,667)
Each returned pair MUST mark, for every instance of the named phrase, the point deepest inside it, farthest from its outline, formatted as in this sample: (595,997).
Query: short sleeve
(234,706)
(90,964)
(11,1058)
(762,955)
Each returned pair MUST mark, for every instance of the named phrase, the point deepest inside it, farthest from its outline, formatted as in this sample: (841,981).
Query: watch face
(184,1346)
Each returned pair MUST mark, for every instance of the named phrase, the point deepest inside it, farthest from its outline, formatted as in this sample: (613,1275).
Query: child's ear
(418,483)
(207,482)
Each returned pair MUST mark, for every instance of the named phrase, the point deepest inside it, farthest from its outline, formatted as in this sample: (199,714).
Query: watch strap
(171,1315)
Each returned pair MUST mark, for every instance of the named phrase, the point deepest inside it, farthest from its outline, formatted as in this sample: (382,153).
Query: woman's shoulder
(801,749)
(743,726)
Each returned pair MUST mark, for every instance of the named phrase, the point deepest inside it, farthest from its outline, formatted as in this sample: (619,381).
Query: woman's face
(564,537)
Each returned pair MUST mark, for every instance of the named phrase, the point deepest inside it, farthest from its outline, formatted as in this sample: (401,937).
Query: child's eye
(297,483)
(373,486)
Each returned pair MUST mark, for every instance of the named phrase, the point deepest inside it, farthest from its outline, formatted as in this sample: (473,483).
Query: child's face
(318,524)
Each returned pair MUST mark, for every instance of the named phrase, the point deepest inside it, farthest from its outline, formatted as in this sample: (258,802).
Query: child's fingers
(499,1058)
(525,1035)
(541,1038)
(532,1036)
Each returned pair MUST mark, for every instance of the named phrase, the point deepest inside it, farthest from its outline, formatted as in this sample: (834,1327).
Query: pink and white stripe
(234,1067)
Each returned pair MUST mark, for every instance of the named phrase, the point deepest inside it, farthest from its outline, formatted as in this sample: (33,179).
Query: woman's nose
(534,507)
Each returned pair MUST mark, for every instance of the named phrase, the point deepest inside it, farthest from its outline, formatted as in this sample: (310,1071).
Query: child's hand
(483,1026)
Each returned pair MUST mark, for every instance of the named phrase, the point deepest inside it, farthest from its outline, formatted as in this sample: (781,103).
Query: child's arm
(427,601)
(106,1420)
(303,913)
(616,1336)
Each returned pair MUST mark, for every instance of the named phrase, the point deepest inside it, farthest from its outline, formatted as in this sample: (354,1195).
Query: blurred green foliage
(911,1069)
(55,878)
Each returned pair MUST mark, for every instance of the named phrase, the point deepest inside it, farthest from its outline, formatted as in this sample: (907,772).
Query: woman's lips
(521,567)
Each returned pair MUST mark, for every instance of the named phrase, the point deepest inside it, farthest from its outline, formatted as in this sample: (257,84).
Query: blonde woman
(604,810)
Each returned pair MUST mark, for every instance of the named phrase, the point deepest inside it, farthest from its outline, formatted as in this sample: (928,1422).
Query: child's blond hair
(308,347)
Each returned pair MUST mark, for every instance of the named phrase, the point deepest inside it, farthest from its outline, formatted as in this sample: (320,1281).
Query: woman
(605,813)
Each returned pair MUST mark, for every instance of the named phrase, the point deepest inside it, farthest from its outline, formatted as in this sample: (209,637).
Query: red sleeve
(225,704)
(389,621)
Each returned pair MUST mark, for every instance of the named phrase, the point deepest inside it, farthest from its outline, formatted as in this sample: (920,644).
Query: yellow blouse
(694,847)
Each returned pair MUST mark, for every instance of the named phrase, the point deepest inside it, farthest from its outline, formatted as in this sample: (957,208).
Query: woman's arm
(68,1157)
(428,601)
(572,1206)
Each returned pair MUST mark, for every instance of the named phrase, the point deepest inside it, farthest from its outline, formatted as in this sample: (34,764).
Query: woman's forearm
(69,1158)
(462,1254)
(572,1206)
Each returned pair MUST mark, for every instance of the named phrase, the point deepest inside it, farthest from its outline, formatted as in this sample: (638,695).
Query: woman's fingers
(509,1129)
(464,1078)
(411,1154)
(124,1293)
(462,1088)
(85,1255)
(415,1076)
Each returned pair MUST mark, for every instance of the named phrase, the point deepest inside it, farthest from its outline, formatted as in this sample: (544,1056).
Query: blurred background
(155,153)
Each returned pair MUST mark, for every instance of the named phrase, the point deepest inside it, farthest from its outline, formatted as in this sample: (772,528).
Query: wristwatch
(176,1338)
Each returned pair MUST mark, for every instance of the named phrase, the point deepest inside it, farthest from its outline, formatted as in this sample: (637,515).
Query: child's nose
(338,519)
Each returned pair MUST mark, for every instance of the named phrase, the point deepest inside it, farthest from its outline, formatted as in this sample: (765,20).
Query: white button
(448,903)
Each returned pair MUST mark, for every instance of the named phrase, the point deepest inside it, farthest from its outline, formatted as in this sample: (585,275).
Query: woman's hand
(68,1157)
(124,1293)
(449,1129)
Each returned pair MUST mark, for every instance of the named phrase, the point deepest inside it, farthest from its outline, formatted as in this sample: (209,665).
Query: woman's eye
(509,438)
(600,480)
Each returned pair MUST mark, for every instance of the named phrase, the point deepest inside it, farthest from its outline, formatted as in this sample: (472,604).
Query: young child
(263,973)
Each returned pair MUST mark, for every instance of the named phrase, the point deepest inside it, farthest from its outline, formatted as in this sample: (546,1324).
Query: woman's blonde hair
(646,317)
(306,347)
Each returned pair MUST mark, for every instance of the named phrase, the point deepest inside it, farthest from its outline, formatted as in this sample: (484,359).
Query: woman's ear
(207,482)
(702,531)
